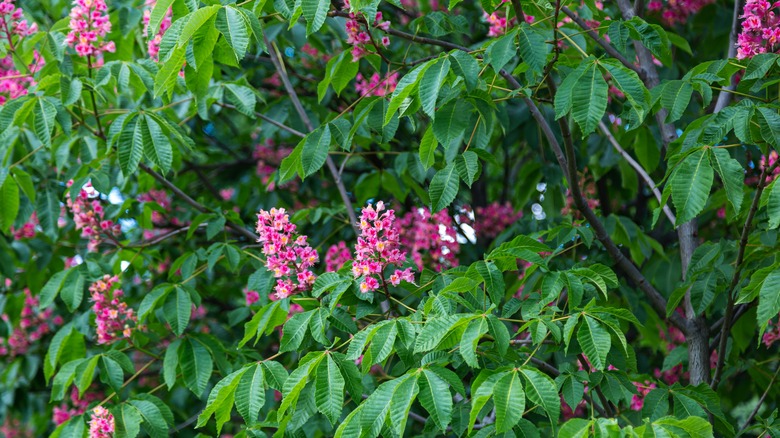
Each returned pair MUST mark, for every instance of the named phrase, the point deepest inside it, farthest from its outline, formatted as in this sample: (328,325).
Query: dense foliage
(311,218)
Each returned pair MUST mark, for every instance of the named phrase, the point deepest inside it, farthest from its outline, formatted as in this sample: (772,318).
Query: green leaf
(193,22)
(44,113)
(434,331)
(443,188)
(154,414)
(404,89)
(9,204)
(401,404)
(315,150)
(250,393)
(329,389)
(295,330)
(196,365)
(632,87)
(52,288)
(171,363)
(127,420)
(471,336)
(177,310)
(501,51)
(675,97)
(575,428)
(509,399)
(732,175)
(166,77)
(428,145)
(773,205)
(85,373)
(656,404)
(500,334)
(769,121)
(159,11)
(563,98)
(315,12)
(435,397)
(242,97)
(759,65)
(468,167)
(72,289)
(430,84)
(130,149)
(157,146)
(465,66)
(70,90)
(589,99)
(768,300)
(450,123)
(48,209)
(112,372)
(690,184)
(595,342)
(541,390)
(220,401)
(533,47)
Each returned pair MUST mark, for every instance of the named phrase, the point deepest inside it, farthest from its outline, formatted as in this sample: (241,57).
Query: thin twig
(639,170)
(758,405)
(275,58)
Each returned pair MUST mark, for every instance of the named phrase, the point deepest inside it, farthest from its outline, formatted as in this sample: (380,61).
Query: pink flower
(432,239)
(376,86)
(288,256)
(32,326)
(155,37)
(251,297)
(88,215)
(378,247)
(337,256)
(113,318)
(360,39)
(638,400)
(760,29)
(89,22)
(101,425)
(493,219)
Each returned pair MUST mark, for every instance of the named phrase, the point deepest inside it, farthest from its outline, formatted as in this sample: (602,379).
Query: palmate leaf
(675,97)
(563,98)
(329,389)
(690,184)
(509,398)
(44,113)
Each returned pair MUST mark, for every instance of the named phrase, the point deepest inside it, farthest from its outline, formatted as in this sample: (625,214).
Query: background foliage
(585,203)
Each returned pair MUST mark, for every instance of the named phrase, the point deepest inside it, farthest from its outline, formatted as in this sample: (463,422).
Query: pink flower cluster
(12,21)
(27,231)
(101,425)
(492,220)
(251,297)
(77,406)
(89,22)
(33,325)
(760,29)
(430,238)
(376,86)
(677,11)
(378,247)
(112,316)
(772,333)
(269,156)
(289,257)
(764,163)
(638,400)
(88,215)
(591,198)
(359,38)
(13,428)
(14,83)
(153,45)
(337,256)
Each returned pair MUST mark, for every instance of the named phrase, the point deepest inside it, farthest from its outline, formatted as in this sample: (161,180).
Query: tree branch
(193,203)
(724,98)
(602,42)
(758,405)
(639,170)
(735,278)
(276,59)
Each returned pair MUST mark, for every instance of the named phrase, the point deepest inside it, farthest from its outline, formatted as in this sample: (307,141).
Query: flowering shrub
(397,218)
